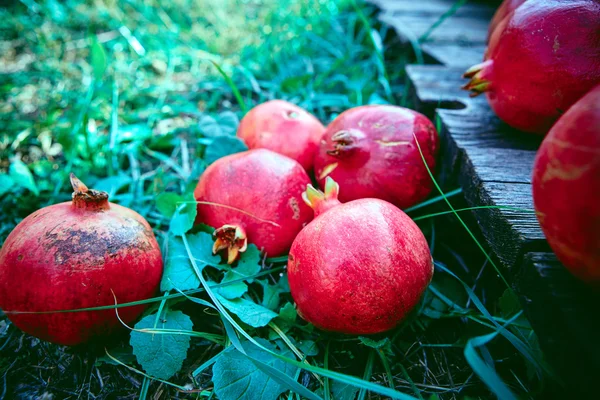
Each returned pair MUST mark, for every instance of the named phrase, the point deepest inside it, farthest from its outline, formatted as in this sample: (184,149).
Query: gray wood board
(454,55)
(458,40)
(493,162)
(456,30)
(434,7)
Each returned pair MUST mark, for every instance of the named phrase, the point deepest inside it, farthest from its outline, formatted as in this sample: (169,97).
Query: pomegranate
(284,128)
(545,59)
(76,255)
(566,188)
(253,196)
(495,32)
(370,151)
(507,7)
(358,268)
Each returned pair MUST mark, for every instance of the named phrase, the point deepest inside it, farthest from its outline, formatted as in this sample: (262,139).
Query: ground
(135,97)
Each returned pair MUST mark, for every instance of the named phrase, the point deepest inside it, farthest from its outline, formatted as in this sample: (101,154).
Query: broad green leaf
(234,290)
(167,203)
(178,269)
(235,376)
(223,146)
(288,312)
(184,216)
(209,126)
(228,121)
(6,183)
(248,264)
(270,295)
(283,284)
(509,303)
(343,391)
(161,355)
(21,175)
(385,345)
(285,320)
(225,124)
(249,312)
(98,59)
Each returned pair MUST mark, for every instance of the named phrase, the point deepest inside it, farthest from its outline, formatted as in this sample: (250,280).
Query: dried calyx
(87,198)
(344,142)
(233,239)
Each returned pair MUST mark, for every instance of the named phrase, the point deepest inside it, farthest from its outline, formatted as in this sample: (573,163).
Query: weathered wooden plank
(490,131)
(504,165)
(493,162)
(435,7)
(460,38)
(436,86)
(454,55)
(567,311)
(461,30)
(509,233)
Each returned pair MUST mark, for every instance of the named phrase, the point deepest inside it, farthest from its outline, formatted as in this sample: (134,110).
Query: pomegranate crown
(322,201)
(85,198)
(231,238)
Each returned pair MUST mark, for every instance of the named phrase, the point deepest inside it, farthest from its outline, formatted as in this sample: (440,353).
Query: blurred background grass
(83,84)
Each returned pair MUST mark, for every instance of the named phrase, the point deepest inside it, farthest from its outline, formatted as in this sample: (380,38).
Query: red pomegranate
(358,268)
(507,7)
(284,128)
(370,151)
(77,255)
(544,60)
(253,196)
(566,188)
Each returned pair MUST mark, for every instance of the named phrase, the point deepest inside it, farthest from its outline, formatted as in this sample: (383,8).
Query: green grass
(127,95)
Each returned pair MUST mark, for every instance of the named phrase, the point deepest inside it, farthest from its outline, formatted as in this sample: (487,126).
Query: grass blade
(232,85)
(487,256)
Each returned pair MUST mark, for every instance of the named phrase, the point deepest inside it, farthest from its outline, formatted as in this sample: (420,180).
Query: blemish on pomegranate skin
(20,257)
(387,143)
(295,207)
(556,45)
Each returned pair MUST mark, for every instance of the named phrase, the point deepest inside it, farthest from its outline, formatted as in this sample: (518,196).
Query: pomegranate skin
(370,151)
(267,187)
(75,255)
(545,59)
(566,188)
(507,7)
(284,128)
(361,283)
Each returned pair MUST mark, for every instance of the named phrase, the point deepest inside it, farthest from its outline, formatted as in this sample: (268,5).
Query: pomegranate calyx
(230,237)
(479,78)
(87,198)
(322,201)
(344,142)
